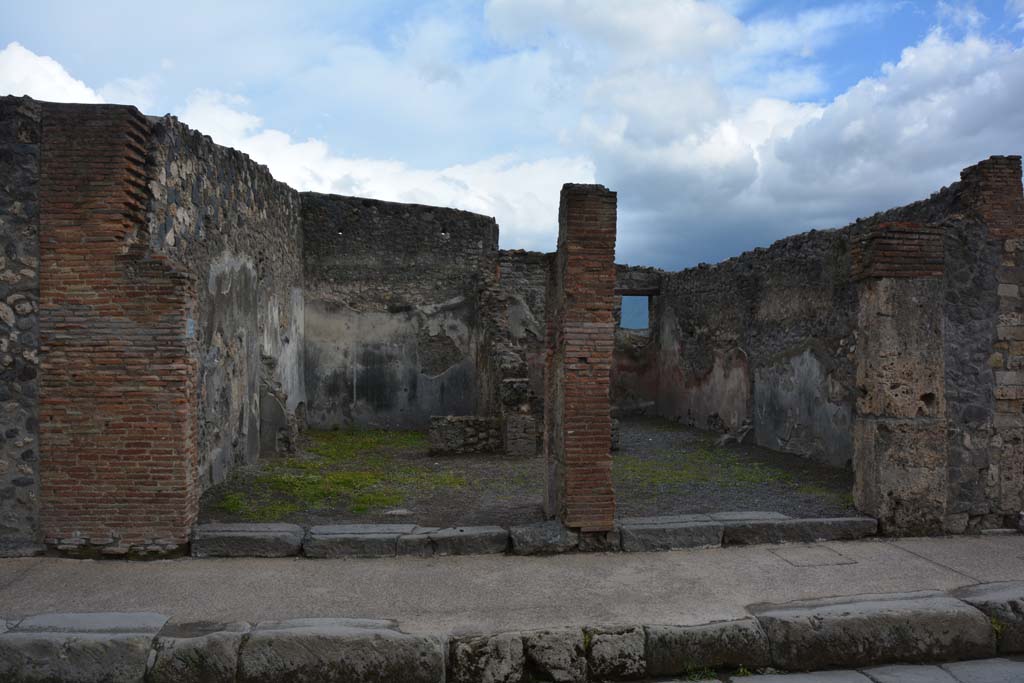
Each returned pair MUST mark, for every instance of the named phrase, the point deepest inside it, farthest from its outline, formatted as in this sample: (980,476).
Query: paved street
(492,593)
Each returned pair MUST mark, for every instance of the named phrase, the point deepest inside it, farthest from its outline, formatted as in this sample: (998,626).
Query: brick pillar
(581,338)
(118,405)
(900,461)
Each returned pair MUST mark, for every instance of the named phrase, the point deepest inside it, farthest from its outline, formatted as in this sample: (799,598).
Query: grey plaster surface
(494,593)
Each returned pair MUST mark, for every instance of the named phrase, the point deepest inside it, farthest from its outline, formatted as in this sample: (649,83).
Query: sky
(723,125)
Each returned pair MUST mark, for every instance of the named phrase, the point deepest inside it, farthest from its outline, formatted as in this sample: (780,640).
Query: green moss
(707,464)
(235,503)
(997,627)
(353,469)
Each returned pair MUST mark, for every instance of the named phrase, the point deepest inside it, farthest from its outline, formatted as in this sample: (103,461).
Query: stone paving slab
(247,540)
(93,622)
(670,536)
(663,520)
(758,531)
(470,540)
(988,671)
(815,677)
(356,529)
(909,673)
(746,516)
(334,545)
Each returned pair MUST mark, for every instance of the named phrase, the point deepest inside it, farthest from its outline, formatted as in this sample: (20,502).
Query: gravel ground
(660,468)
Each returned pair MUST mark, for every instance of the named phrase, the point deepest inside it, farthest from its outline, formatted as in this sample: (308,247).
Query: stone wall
(20,134)
(394,330)
(523,277)
(635,370)
(987,491)
(223,218)
(889,346)
(465,434)
(765,338)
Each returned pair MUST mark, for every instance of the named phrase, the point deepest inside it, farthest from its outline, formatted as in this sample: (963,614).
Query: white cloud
(522,195)
(716,132)
(1017,7)
(140,92)
(22,72)
(964,15)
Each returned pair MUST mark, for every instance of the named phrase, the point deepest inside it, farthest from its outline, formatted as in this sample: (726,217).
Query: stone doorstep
(810,530)
(921,627)
(247,540)
(670,536)
(632,534)
(389,540)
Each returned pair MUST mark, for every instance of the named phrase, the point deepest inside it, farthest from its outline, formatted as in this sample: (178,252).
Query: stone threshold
(632,534)
(975,623)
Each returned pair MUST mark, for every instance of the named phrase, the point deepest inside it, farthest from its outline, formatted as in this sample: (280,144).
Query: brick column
(118,404)
(899,438)
(581,338)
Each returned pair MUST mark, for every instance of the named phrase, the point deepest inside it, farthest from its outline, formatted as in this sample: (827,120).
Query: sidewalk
(495,593)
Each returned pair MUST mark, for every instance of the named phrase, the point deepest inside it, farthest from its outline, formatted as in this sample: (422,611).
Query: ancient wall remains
(888,346)
(20,134)
(580,341)
(393,322)
(635,370)
(169,311)
(765,339)
(224,218)
(986,475)
(523,277)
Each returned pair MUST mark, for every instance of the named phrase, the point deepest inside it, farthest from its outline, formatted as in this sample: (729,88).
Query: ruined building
(169,311)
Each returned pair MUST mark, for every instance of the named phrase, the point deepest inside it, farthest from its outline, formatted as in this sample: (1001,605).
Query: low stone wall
(465,434)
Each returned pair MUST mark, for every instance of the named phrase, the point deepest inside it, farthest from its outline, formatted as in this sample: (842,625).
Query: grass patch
(708,464)
(352,469)
(705,465)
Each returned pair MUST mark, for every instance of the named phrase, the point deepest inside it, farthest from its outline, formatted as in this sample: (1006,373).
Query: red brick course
(899,249)
(581,339)
(118,409)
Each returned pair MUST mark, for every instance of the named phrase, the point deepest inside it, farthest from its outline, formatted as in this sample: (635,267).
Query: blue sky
(723,125)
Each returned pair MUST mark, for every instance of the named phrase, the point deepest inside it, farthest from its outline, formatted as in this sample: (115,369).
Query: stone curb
(838,633)
(632,534)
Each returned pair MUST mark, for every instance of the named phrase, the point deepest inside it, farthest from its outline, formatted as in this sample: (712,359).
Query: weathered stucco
(394,332)
(224,218)
(764,339)
(388,369)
